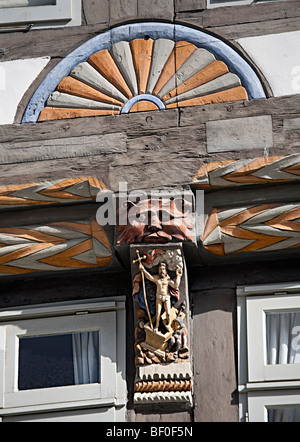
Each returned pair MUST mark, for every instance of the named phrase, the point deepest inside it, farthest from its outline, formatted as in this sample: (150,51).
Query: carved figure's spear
(139,260)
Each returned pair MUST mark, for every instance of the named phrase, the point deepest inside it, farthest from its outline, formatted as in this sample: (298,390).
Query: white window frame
(105,316)
(263,386)
(257,309)
(260,402)
(221,3)
(65,12)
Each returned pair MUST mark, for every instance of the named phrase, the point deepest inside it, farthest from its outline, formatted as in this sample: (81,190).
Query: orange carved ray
(246,179)
(295,169)
(54,113)
(235,94)
(260,240)
(60,190)
(99,233)
(216,249)
(65,184)
(76,227)
(102,262)
(285,221)
(32,235)
(22,253)
(72,86)
(181,52)
(104,63)
(243,174)
(247,214)
(207,168)
(142,54)
(214,70)
(211,224)
(7,199)
(68,257)
(62,195)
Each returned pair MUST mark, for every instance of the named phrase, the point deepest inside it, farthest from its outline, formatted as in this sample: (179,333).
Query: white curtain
(283,347)
(287,414)
(282,343)
(86,357)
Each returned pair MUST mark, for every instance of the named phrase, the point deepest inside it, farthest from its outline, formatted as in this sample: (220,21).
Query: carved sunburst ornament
(143,75)
(143,67)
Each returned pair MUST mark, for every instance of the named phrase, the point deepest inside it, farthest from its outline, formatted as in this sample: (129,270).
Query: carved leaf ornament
(143,67)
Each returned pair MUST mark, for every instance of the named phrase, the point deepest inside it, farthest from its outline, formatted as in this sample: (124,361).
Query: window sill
(64,13)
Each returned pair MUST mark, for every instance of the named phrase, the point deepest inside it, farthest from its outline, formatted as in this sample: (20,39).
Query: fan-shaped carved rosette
(143,75)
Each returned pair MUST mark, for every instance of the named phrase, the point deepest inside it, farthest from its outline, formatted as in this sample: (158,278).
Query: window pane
(283,338)
(22,3)
(58,360)
(287,414)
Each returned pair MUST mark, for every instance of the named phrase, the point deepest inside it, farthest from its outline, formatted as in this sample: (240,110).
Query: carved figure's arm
(147,274)
(175,284)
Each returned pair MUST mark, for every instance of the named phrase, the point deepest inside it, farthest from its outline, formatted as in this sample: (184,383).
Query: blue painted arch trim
(143,97)
(153,30)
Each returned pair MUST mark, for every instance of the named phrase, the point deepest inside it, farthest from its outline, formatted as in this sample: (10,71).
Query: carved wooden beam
(56,246)
(61,191)
(248,171)
(266,227)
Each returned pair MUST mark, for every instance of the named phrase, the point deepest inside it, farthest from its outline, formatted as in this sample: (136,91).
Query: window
(269,352)
(39,13)
(63,356)
(58,360)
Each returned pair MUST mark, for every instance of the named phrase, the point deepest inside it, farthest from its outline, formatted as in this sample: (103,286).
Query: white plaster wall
(15,78)
(278,57)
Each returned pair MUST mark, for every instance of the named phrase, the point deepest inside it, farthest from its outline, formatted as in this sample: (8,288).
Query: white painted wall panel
(278,57)
(15,78)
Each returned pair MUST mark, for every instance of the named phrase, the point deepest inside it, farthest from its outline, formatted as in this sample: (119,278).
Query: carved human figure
(163,297)
(178,340)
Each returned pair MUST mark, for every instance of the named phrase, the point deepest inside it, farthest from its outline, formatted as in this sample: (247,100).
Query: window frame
(106,316)
(259,403)
(260,385)
(228,3)
(237,3)
(65,12)
(257,309)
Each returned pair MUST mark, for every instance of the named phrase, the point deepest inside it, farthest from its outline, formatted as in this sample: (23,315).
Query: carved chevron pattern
(61,191)
(143,75)
(266,227)
(53,247)
(249,171)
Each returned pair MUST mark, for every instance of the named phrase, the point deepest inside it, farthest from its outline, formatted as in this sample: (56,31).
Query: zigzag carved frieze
(53,247)
(266,227)
(248,171)
(59,191)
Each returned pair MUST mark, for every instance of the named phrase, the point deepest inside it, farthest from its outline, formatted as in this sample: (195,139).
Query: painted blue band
(221,50)
(144,97)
